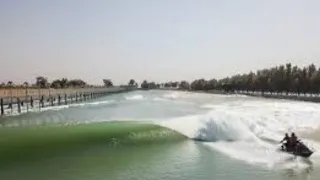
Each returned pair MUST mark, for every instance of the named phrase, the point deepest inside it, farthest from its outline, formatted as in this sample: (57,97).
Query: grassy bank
(37,142)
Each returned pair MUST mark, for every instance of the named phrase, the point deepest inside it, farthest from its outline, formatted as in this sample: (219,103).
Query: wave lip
(211,127)
(217,128)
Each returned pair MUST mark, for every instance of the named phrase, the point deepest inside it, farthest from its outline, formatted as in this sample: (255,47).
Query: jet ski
(300,150)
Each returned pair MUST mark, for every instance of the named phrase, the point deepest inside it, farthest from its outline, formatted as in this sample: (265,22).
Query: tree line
(279,79)
(43,82)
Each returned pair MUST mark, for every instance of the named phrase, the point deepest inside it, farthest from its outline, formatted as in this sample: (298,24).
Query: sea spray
(248,134)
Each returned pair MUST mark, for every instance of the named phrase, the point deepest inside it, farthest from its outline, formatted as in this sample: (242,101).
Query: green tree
(132,82)
(41,81)
(76,83)
(56,84)
(184,85)
(198,84)
(107,83)
(144,85)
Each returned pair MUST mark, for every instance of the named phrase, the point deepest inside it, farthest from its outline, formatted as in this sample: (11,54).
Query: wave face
(20,144)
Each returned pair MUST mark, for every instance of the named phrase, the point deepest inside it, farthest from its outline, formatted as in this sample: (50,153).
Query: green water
(138,148)
(181,160)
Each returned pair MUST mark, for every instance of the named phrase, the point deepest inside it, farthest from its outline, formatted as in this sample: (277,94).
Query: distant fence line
(20,100)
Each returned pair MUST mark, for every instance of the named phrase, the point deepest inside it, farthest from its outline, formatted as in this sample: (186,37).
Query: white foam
(250,130)
(135,97)
(172,95)
(208,106)
(159,99)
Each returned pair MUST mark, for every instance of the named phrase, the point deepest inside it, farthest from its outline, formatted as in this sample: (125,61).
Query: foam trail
(135,97)
(250,132)
(172,95)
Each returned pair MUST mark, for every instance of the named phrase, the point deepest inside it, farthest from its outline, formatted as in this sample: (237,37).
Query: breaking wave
(249,132)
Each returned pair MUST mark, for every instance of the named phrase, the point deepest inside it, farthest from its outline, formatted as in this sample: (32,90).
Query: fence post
(10,105)
(59,99)
(39,98)
(1,105)
(42,101)
(65,99)
(71,98)
(51,99)
(76,97)
(19,105)
(31,102)
(27,100)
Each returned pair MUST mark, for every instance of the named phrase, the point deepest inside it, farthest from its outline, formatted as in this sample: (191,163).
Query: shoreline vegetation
(59,86)
(280,82)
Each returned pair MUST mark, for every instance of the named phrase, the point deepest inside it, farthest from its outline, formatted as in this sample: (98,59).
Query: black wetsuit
(287,142)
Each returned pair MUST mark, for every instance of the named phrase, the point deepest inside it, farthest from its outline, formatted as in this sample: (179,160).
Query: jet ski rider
(290,142)
(294,140)
(286,139)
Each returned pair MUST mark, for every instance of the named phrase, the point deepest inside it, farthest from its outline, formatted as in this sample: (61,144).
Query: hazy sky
(154,40)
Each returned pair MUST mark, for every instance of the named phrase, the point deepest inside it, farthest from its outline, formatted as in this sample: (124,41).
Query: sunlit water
(236,138)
